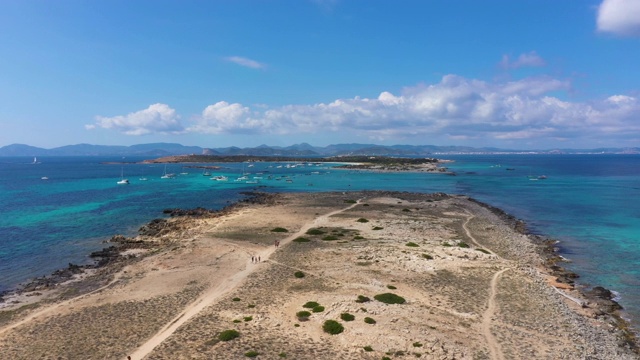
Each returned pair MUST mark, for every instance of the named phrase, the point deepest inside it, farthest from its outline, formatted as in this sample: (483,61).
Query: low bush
(358,237)
(330,238)
(248,318)
(406,210)
(332,327)
(391,287)
(251,354)
(463,244)
(362,220)
(282,355)
(318,309)
(377,228)
(314,232)
(279,229)
(483,251)
(310,304)
(347,317)
(417,344)
(412,244)
(427,256)
(236,299)
(228,335)
(350,201)
(446,244)
(301,240)
(303,315)
(362,299)
(368,348)
(369,320)
(390,298)
(298,274)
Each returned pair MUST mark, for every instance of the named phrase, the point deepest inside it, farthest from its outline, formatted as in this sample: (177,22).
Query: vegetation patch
(368,348)
(362,299)
(417,344)
(330,238)
(248,318)
(362,220)
(483,250)
(369,320)
(390,298)
(251,354)
(236,299)
(366,205)
(377,228)
(318,309)
(303,315)
(406,210)
(310,305)
(251,306)
(358,237)
(446,244)
(228,335)
(427,256)
(332,327)
(298,274)
(314,231)
(350,201)
(282,355)
(391,287)
(301,239)
(279,229)
(347,317)
(463,244)
(412,244)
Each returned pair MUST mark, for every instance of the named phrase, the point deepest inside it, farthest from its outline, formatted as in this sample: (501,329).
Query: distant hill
(155,150)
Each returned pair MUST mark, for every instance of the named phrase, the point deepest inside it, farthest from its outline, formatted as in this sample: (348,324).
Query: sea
(57,210)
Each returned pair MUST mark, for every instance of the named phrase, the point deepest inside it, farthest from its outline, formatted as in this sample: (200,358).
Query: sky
(517,74)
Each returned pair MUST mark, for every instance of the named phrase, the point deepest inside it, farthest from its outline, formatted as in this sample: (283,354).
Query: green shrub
(362,220)
(369,320)
(362,299)
(314,232)
(332,327)
(350,201)
(347,317)
(236,321)
(303,315)
(330,238)
(366,205)
(446,244)
(358,237)
(251,306)
(301,239)
(310,305)
(236,299)
(427,256)
(386,358)
(282,355)
(248,318)
(318,309)
(390,298)
(368,348)
(463,244)
(296,325)
(298,274)
(412,244)
(377,228)
(391,287)
(251,353)
(228,335)
(417,344)
(483,251)
(279,229)
(406,210)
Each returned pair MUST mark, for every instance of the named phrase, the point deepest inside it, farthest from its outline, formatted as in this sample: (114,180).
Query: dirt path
(494,345)
(219,290)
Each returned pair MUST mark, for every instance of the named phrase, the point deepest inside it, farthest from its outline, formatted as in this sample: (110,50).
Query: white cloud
(246,62)
(620,17)
(455,108)
(531,59)
(157,118)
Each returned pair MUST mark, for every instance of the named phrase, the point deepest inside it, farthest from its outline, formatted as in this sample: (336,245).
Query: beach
(474,287)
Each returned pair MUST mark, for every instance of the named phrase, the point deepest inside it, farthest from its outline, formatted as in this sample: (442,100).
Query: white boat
(220,178)
(143,179)
(44,178)
(242,178)
(122,181)
(165,175)
(35,160)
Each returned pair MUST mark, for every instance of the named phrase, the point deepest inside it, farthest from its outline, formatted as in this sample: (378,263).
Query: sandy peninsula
(471,287)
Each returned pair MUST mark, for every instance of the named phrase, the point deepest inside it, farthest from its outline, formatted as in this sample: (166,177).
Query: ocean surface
(590,203)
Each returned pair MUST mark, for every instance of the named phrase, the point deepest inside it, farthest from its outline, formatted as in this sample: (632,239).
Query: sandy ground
(490,300)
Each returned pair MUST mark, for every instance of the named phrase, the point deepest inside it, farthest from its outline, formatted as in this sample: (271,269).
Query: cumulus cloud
(620,17)
(456,108)
(531,59)
(157,118)
(246,62)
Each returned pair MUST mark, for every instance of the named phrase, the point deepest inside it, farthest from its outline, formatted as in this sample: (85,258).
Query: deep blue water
(588,202)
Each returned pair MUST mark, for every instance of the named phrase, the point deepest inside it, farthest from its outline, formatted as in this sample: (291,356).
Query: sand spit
(474,288)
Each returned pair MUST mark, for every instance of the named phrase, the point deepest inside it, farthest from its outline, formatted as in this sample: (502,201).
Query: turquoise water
(588,202)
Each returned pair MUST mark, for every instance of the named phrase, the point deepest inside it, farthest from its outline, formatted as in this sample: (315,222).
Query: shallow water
(586,201)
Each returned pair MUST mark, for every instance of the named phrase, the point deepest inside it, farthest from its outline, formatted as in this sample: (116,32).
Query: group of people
(255,259)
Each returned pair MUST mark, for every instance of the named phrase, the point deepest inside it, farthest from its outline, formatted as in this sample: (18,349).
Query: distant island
(155,150)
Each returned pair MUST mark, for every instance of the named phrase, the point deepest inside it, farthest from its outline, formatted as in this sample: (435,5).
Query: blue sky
(526,74)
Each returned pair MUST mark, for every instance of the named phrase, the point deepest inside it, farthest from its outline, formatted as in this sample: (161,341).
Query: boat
(165,175)
(143,179)
(122,181)
(220,178)
(44,178)
(542,177)
(35,160)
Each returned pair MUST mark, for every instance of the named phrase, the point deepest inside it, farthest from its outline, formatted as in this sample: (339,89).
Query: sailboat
(35,160)
(122,181)
(165,175)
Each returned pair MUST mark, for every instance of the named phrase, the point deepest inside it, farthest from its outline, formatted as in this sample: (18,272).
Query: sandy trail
(217,291)
(494,345)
